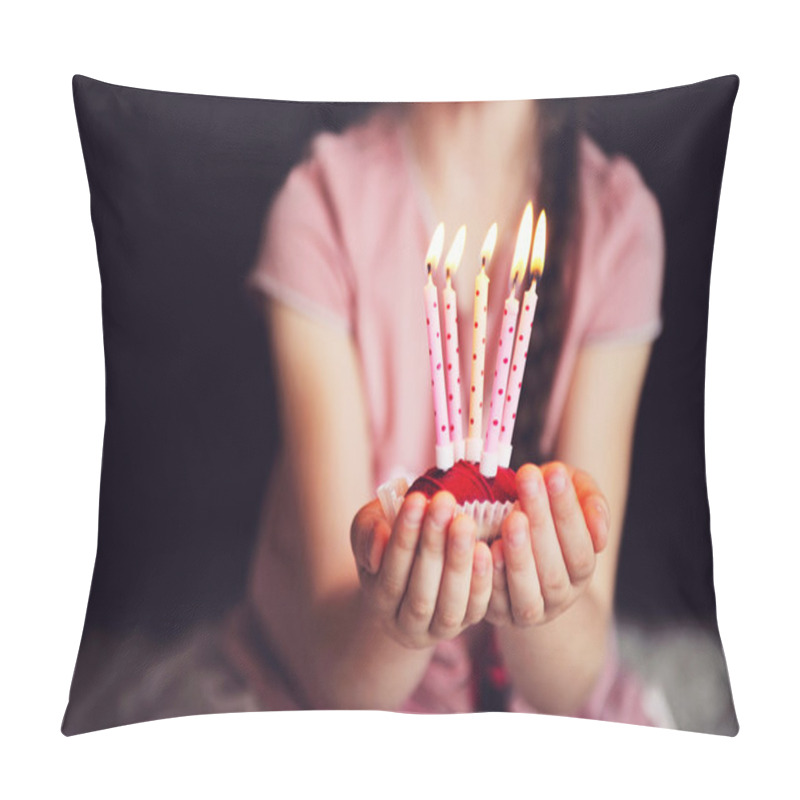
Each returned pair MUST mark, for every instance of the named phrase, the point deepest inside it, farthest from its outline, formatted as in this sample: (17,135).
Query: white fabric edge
(297,301)
(644,333)
(657,708)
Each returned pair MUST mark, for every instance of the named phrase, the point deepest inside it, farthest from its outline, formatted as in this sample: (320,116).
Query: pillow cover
(181,186)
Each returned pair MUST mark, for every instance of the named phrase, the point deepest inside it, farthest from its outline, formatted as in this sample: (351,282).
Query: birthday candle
(453,368)
(521,342)
(474,434)
(508,324)
(443,447)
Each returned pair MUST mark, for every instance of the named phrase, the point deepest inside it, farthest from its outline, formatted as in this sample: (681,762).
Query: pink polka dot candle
(443,447)
(475,431)
(508,325)
(451,351)
(521,342)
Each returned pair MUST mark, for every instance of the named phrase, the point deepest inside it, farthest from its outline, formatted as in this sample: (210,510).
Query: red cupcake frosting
(465,482)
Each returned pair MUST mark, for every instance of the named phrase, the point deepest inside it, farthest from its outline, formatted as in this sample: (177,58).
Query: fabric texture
(196,676)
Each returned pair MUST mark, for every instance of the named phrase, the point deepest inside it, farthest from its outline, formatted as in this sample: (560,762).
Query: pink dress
(345,243)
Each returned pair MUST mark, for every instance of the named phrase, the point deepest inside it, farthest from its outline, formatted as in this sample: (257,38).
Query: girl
(346,612)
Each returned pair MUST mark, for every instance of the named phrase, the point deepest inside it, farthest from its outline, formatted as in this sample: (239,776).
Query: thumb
(368,535)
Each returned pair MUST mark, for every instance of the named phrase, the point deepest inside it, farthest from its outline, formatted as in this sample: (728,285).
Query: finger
(451,604)
(499,610)
(419,602)
(595,508)
(362,533)
(553,576)
(573,534)
(399,554)
(480,589)
(527,605)
(377,546)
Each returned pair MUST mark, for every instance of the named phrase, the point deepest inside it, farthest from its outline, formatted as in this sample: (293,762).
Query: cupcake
(487,500)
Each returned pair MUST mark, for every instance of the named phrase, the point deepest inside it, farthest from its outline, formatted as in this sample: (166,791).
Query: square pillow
(210,213)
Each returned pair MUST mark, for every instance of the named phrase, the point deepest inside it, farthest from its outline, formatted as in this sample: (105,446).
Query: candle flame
(523,247)
(537,259)
(453,258)
(435,249)
(488,245)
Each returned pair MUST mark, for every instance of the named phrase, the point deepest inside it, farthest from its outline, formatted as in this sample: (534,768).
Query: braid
(557,192)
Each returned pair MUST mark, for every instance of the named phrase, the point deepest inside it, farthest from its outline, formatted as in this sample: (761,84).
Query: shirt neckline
(422,199)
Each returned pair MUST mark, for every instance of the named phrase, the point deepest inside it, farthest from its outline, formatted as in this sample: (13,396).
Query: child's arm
(554,599)
(348,645)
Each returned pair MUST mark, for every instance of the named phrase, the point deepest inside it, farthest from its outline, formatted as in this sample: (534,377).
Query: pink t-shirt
(345,243)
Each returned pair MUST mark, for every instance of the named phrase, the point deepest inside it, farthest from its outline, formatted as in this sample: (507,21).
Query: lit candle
(475,432)
(508,325)
(452,366)
(521,342)
(444,447)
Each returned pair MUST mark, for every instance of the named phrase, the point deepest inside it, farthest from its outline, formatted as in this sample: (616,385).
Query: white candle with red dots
(443,447)
(475,431)
(508,325)
(521,343)
(451,350)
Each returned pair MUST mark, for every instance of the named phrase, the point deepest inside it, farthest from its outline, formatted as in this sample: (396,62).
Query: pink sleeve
(301,261)
(630,262)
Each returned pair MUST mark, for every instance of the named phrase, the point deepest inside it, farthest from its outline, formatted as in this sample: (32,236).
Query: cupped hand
(426,577)
(545,556)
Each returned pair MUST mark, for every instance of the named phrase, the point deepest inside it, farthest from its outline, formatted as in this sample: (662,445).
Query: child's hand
(545,556)
(427,579)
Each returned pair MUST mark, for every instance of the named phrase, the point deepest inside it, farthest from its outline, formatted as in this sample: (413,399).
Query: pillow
(181,187)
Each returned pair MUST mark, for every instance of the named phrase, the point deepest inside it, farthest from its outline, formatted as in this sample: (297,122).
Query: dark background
(179,188)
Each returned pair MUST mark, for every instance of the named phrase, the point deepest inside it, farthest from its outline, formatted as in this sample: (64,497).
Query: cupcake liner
(488,515)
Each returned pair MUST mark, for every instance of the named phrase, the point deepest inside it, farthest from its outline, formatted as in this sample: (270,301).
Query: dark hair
(558,135)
